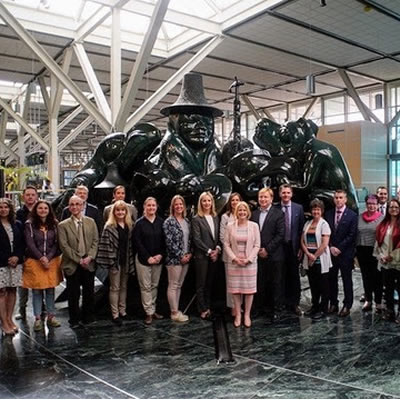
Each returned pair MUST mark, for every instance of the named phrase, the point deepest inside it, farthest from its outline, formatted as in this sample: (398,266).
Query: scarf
(381,232)
(370,218)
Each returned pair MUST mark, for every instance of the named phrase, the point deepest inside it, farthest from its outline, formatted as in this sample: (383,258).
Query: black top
(22,214)
(18,244)
(148,238)
(123,235)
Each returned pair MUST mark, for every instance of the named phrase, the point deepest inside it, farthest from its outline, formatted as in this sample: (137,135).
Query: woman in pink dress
(241,246)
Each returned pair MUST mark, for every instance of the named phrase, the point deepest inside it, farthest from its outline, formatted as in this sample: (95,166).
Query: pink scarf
(370,218)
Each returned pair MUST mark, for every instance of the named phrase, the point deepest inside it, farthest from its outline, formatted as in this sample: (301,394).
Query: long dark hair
(50,223)
(387,215)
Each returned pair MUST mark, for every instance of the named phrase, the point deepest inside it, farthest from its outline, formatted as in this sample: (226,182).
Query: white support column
(251,107)
(45,94)
(364,110)
(59,88)
(172,82)
(24,124)
(93,82)
(140,64)
(53,67)
(3,128)
(115,68)
(314,101)
(74,133)
(53,156)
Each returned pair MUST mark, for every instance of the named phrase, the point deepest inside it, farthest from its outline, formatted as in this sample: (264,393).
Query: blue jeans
(37,299)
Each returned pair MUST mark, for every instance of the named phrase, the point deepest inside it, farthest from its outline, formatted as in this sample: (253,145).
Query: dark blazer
(345,235)
(202,237)
(18,245)
(272,233)
(297,223)
(91,211)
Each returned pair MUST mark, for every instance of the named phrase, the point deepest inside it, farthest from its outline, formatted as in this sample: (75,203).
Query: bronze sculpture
(187,160)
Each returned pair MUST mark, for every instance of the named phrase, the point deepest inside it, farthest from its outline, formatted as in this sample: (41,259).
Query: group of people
(261,250)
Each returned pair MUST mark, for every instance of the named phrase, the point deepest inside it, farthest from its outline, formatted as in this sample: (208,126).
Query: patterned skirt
(11,277)
(242,280)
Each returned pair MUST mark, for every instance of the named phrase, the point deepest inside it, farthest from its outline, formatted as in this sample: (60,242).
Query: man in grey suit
(294,222)
(78,238)
(270,293)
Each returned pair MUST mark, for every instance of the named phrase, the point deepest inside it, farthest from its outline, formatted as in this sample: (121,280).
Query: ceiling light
(310,84)
(322,3)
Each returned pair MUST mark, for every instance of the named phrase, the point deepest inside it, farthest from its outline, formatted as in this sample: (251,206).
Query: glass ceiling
(186,20)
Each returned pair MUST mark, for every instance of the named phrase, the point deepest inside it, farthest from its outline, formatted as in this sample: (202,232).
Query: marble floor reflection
(355,357)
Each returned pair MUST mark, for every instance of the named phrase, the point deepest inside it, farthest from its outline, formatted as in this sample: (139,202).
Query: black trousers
(319,286)
(346,269)
(81,277)
(205,272)
(371,276)
(270,285)
(391,280)
(291,276)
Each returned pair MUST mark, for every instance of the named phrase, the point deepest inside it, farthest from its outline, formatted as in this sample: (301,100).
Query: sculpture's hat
(191,99)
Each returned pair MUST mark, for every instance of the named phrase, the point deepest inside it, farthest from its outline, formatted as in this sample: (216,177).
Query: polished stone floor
(355,357)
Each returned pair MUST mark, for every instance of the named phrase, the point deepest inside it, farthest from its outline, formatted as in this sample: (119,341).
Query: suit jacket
(272,232)
(297,223)
(202,237)
(252,245)
(91,211)
(345,235)
(68,241)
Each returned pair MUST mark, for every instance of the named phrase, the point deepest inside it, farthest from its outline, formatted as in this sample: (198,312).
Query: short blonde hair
(112,221)
(146,201)
(266,190)
(200,211)
(171,207)
(246,206)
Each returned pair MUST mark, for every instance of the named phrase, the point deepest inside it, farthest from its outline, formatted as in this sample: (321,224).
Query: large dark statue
(187,161)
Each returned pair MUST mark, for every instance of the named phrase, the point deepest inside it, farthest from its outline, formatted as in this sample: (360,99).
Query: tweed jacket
(174,240)
(68,240)
(108,254)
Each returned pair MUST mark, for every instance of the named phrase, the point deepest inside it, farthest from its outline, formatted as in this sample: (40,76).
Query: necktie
(381,209)
(81,240)
(287,224)
(338,215)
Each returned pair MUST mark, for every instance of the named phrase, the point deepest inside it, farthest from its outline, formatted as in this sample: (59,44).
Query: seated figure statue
(313,167)
(187,159)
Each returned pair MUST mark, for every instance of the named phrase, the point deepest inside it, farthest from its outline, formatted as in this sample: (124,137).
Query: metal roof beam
(364,110)
(172,82)
(140,63)
(45,93)
(172,16)
(74,133)
(314,101)
(53,67)
(251,107)
(92,80)
(115,65)
(23,123)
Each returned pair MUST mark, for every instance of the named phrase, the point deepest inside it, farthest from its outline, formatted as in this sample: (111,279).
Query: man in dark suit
(382,194)
(270,292)
(89,210)
(343,223)
(294,221)
(78,240)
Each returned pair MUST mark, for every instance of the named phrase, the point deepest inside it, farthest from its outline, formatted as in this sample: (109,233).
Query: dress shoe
(148,320)
(21,315)
(247,322)
(297,311)
(237,323)
(206,315)
(367,306)
(117,321)
(157,316)
(318,315)
(333,309)
(344,312)
(310,312)
(362,298)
